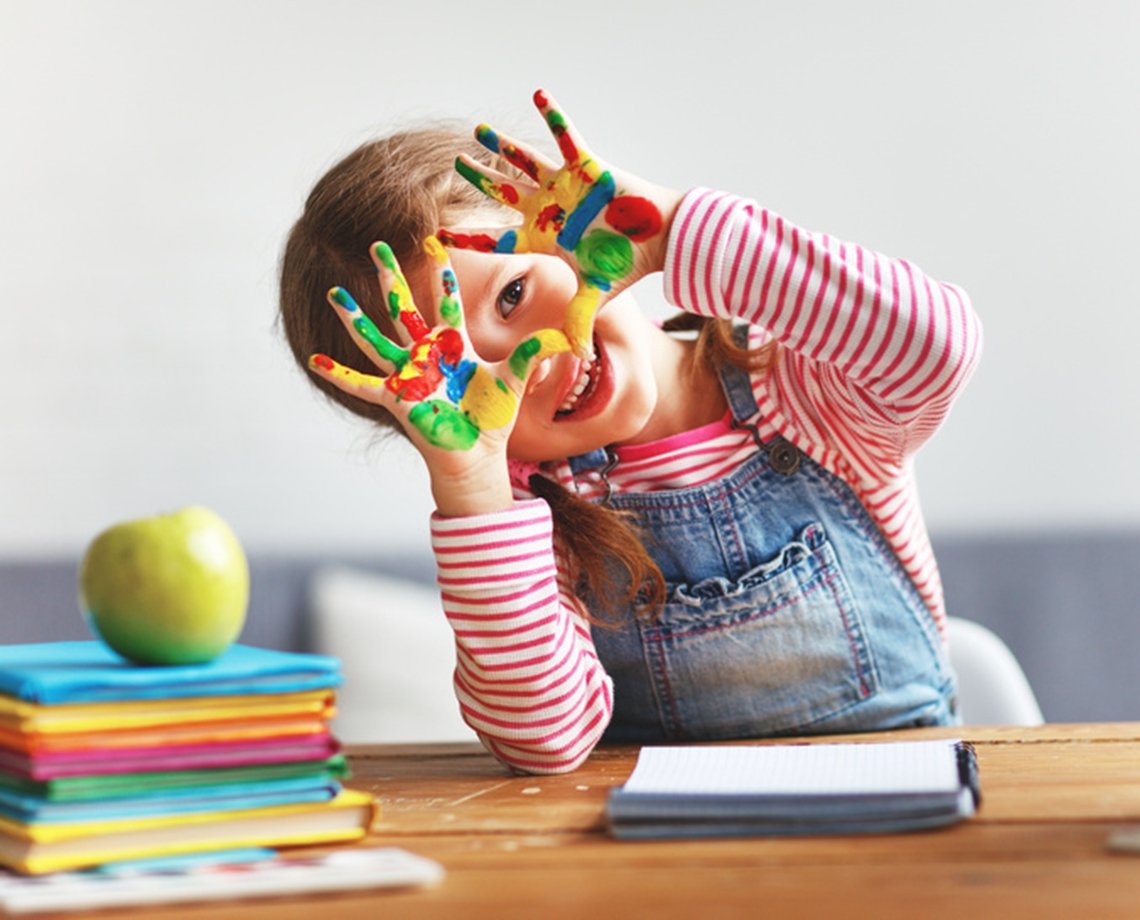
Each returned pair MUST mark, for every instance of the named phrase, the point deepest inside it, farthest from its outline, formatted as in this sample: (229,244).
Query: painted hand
(442,392)
(609,228)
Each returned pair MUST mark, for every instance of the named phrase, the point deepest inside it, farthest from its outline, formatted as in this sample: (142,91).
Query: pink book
(187,757)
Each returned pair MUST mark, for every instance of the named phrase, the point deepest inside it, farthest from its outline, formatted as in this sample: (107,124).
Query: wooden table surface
(536,846)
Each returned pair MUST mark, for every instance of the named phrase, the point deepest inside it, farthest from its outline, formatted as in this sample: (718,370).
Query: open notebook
(786,789)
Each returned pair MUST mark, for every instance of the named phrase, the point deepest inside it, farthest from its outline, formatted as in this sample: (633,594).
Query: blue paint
(487,136)
(509,240)
(344,300)
(601,194)
(458,376)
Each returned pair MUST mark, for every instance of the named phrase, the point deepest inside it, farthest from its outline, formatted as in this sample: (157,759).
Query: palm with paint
(608,227)
(447,398)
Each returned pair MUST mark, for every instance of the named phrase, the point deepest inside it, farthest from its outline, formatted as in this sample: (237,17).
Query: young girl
(641,534)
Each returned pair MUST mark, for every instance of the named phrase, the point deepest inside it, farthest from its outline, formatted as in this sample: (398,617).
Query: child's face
(506,298)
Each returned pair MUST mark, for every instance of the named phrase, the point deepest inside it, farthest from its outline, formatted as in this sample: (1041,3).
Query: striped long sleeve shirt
(873,354)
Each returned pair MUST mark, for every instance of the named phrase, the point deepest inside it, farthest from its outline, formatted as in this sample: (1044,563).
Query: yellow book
(20,716)
(40,848)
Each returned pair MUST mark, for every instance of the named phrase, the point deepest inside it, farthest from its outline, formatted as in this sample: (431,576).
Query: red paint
(427,355)
(414,389)
(480,242)
(637,218)
(414,323)
(450,346)
(552,216)
(520,160)
(509,193)
(569,151)
(566,144)
(324,362)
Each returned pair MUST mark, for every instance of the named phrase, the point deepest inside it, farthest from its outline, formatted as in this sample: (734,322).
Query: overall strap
(783,455)
(737,385)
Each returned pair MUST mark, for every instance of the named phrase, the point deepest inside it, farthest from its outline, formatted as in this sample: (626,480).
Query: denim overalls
(786,611)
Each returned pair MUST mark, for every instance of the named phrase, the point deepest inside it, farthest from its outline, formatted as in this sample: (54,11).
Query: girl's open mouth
(591,389)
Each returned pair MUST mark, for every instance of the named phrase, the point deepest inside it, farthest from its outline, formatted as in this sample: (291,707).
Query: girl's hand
(457,409)
(609,227)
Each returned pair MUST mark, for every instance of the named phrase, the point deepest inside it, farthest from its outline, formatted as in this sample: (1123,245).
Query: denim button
(784,457)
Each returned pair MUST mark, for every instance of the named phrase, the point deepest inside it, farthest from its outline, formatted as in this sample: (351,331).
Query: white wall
(153,155)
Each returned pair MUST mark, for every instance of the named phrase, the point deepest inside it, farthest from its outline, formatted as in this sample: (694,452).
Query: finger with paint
(525,159)
(447,286)
(368,387)
(380,350)
(398,296)
(575,154)
(494,184)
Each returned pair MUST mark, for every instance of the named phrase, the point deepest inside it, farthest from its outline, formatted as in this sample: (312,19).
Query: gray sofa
(1065,604)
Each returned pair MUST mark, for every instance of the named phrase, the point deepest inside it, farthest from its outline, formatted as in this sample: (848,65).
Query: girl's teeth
(579,387)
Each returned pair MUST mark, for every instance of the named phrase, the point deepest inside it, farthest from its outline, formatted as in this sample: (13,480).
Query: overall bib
(786,611)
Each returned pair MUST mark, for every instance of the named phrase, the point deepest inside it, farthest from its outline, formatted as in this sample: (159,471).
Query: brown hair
(400,189)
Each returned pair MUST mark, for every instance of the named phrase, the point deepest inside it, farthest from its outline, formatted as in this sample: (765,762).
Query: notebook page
(798,769)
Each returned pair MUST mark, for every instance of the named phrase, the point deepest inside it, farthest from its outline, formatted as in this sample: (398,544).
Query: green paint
(521,357)
(450,310)
(387,258)
(443,425)
(605,257)
(385,347)
(555,119)
(473,176)
(502,385)
(393,305)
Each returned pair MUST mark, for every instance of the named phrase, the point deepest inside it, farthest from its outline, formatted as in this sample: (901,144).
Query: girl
(640,534)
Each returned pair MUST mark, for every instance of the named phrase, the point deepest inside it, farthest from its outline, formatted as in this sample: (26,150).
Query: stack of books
(103,761)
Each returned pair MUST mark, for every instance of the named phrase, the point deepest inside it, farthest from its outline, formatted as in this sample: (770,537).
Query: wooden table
(536,847)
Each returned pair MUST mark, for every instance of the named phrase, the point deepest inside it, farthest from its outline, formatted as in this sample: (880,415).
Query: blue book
(29,809)
(89,672)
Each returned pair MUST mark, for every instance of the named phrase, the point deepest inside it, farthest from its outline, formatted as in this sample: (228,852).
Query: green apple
(170,589)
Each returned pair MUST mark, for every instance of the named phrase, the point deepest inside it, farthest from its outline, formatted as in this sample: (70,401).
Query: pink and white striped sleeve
(875,352)
(527,676)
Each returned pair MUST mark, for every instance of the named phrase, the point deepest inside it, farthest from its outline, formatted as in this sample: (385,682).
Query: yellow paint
(487,401)
(580,320)
(553,342)
(435,249)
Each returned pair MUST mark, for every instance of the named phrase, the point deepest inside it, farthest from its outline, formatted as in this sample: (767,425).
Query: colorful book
(111,786)
(31,809)
(39,848)
(180,757)
(89,672)
(27,718)
(167,736)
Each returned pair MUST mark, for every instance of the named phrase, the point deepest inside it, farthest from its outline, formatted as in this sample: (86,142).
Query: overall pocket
(772,652)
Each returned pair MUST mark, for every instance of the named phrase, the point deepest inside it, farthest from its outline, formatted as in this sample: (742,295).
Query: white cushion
(397,653)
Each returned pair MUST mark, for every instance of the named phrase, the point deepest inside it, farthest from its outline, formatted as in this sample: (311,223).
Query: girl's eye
(510,297)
